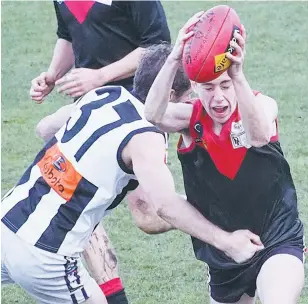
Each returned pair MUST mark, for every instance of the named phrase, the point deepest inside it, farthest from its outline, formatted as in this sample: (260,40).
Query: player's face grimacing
(218,97)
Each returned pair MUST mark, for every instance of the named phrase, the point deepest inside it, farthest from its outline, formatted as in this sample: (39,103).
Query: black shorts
(228,286)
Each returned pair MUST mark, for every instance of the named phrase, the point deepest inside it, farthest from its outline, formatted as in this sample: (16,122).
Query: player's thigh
(6,247)
(49,278)
(5,277)
(281,279)
(245,299)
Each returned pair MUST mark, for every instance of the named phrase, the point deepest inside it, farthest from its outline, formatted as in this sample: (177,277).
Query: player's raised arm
(146,153)
(257,112)
(170,117)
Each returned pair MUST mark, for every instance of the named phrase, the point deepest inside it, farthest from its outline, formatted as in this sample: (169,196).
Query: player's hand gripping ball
(204,57)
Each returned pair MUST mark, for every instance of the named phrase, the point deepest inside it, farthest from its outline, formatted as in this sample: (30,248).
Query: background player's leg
(102,264)
(245,299)
(281,280)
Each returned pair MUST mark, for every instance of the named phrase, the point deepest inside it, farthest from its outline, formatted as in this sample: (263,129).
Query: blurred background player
(103,41)
(235,174)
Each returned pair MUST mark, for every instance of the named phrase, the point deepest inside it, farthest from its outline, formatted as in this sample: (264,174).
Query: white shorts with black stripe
(48,277)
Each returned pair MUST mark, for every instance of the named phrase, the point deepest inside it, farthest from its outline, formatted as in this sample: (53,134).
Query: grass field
(158,269)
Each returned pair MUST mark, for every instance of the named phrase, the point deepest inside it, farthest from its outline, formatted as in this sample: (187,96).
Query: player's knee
(281,280)
(282,298)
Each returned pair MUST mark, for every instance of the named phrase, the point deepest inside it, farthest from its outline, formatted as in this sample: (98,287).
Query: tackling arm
(146,152)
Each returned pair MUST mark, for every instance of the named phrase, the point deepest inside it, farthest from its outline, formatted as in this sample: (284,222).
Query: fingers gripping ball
(204,56)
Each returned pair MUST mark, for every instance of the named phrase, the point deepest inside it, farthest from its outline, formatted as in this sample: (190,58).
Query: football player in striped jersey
(105,149)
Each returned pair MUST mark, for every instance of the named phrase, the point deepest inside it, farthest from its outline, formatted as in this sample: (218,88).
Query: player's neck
(217,127)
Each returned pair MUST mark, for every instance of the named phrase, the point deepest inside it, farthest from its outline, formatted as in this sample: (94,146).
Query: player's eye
(208,89)
(225,87)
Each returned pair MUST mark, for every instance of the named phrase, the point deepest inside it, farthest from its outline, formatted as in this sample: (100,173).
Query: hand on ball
(237,61)
(185,33)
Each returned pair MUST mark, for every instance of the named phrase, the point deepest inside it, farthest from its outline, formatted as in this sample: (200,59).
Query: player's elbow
(154,227)
(260,140)
(42,130)
(163,211)
(146,218)
(152,117)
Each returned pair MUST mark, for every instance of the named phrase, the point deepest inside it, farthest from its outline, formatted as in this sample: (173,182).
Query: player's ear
(172,97)
(194,86)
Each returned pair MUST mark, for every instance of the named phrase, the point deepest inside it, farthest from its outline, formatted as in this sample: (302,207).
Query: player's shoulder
(197,108)
(261,95)
(143,144)
(193,101)
(107,94)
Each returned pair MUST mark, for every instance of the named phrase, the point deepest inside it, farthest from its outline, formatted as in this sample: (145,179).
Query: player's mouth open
(220,110)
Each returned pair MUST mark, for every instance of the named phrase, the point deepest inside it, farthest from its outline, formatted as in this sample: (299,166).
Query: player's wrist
(104,75)
(53,75)
(239,78)
(221,240)
(173,60)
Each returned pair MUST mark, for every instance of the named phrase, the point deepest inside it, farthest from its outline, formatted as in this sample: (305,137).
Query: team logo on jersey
(59,163)
(199,129)
(59,173)
(238,136)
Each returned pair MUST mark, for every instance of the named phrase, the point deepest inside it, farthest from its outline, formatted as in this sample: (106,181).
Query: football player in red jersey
(144,214)
(86,30)
(51,212)
(236,175)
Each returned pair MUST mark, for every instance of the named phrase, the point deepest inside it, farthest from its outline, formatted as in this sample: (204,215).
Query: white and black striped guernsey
(78,175)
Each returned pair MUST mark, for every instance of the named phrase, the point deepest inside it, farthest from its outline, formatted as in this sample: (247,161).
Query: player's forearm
(121,69)
(175,210)
(158,97)
(63,58)
(183,216)
(254,118)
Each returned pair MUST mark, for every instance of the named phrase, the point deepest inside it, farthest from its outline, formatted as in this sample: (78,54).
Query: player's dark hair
(149,66)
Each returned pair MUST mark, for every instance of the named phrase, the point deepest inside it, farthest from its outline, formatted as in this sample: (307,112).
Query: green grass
(158,269)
